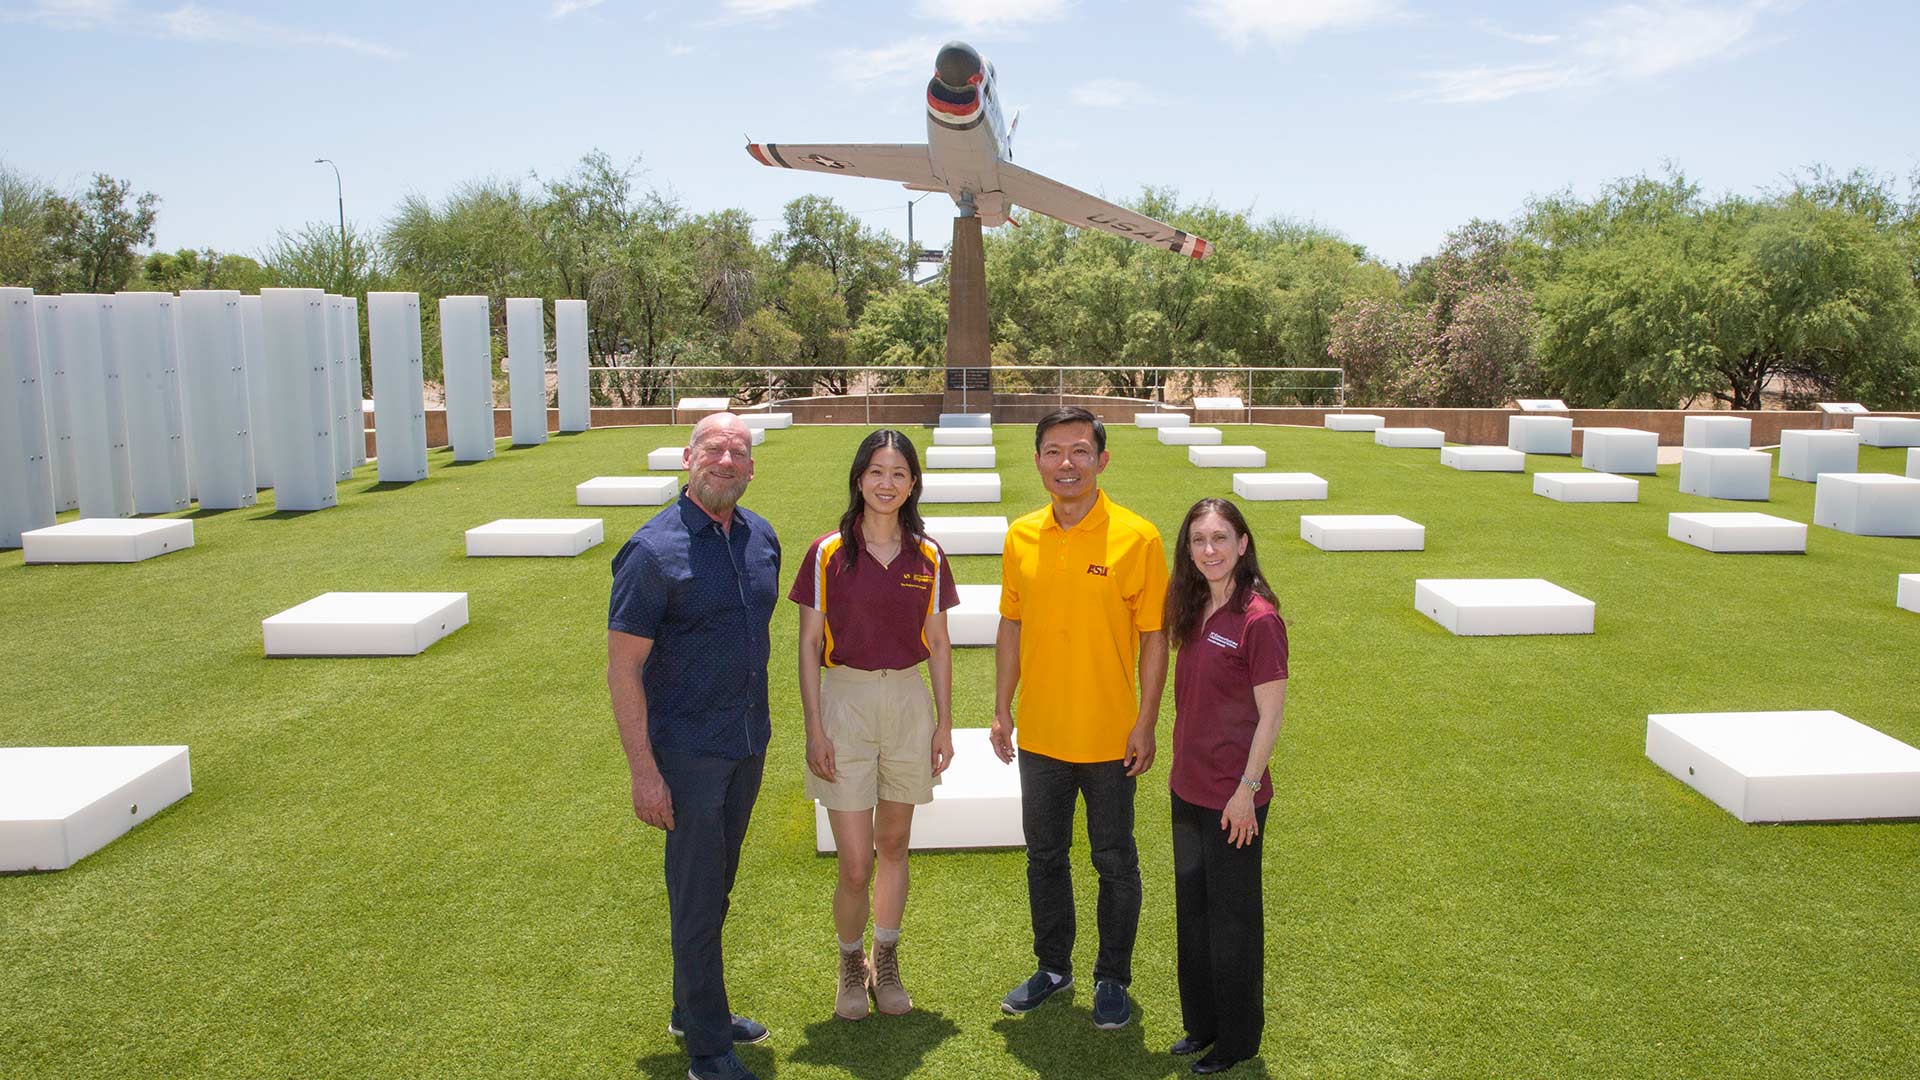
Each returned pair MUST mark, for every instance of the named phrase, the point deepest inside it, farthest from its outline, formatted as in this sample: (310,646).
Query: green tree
(26,252)
(204,269)
(93,236)
(860,262)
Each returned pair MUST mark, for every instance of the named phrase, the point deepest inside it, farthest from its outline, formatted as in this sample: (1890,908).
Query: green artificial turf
(430,866)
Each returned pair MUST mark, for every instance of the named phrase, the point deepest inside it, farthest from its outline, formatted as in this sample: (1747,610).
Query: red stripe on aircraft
(754,149)
(951,109)
(1201,249)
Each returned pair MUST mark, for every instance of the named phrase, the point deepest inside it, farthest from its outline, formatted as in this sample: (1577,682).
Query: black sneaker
(1111,1009)
(1028,995)
(724,1067)
(745,1029)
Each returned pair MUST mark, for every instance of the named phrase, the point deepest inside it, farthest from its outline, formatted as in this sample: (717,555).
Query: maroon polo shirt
(1214,713)
(876,615)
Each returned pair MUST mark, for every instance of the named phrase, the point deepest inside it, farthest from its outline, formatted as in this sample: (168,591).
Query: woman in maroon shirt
(1229,691)
(873,598)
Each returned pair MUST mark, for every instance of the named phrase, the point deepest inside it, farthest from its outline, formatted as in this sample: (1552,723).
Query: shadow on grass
(287,515)
(1060,1042)
(673,1065)
(462,464)
(388,485)
(198,514)
(879,1048)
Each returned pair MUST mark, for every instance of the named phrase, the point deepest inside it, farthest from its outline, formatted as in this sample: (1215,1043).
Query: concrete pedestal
(1805,454)
(466,357)
(1410,438)
(1887,430)
(1620,450)
(1739,534)
(1540,434)
(1586,487)
(1161,420)
(573,385)
(963,436)
(1868,504)
(665,458)
(966,420)
(627,491)
(527,369)
(975,805)
(690,410)
(1279,487)
(1719,473)
(1502,606)
(1483,459)
(106,540)
(959,457)
(1788,766)
(959,488)
(364,624)
(976,619)
(772,421)
(1354,422)
(26,462)
(59,804)
(1716,433)
(534,537)
(400,420)
(968,535)
(1188,436)
(1227,457)
(1362,532)
(1907,595)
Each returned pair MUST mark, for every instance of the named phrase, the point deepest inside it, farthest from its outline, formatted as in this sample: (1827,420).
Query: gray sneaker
(1028,995)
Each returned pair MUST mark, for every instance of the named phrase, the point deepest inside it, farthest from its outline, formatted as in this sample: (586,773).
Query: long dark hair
(911,527)
(1187,588)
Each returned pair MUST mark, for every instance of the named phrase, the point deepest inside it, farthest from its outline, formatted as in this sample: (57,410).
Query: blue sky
(1390,121)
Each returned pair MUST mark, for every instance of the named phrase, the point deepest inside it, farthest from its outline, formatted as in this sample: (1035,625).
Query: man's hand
(652,802)
(942,750)
(820,757)
(1001,736)
(1139,750)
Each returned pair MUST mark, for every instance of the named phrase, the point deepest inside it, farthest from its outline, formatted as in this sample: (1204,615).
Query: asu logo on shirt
(1096,570)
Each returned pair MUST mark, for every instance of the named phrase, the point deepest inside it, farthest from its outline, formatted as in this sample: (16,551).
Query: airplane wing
(1075,207)
(904,163)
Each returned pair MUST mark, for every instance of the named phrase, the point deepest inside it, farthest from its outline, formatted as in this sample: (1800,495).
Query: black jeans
(1222,930)
(1048,789)
(712,800)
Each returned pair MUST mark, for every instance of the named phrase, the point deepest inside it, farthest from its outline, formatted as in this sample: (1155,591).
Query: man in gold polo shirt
(1082,582)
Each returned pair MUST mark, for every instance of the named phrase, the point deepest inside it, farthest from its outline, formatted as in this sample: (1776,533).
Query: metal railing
(766,387)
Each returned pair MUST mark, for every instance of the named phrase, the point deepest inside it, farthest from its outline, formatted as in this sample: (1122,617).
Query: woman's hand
(942,750)
(820,756)
(1238,820)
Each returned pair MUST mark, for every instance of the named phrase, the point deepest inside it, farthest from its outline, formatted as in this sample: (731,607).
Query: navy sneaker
(1028,995)
(745,1029)
(724,1067)
(1111,1009)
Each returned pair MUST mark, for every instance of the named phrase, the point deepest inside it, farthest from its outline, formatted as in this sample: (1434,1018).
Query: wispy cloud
(886,61)
(760,10)
(187,22)
(1282,22)
(564,8)
(1491,27)
(1620,44)
(992,16)
(678,49)
(1113,94)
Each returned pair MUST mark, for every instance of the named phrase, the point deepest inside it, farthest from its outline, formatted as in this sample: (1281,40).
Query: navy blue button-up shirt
(705,597)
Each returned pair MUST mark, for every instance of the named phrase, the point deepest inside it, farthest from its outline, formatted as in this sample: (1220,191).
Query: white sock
(1056,978)
(850,946)
(884,936)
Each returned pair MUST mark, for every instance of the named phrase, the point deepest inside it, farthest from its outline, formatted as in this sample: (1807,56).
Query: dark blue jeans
(1049,788)
(712,800)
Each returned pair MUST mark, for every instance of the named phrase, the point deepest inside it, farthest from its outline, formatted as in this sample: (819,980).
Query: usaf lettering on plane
(969,155)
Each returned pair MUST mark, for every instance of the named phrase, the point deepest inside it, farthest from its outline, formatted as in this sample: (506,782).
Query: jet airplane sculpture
(969,155)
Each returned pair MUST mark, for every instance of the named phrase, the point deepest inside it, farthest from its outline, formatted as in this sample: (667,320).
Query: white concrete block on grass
(1540,434)
(968,535)
(1868,504)
(1722,473)
(1218,403)
(756,436)
(697,407)
(966,419)
(771,420)
(959,457)
(106,540)
(1913,463)
(1474,607)
(1805,454)
(1739,533)
(1189,436)
(1354,422)
(1362,532)
(1410,438)
(1619,450)
(1716,433)
(365,624)
(976,619)
(560,538)
(1887,430)
(959,488)
(1279,487)
(627,491)
(1227,457)
(60,804)
(1907,595)
(975,805)
(1161,420)
(1483,459)
(666,458)
(962,436)
(1586,487)
(1816,765)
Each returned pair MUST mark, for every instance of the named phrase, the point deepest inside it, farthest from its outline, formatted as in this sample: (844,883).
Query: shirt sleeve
(949,591)
(806,582)
(639,598)
(1009,582)
(1266,647)
(1149,607)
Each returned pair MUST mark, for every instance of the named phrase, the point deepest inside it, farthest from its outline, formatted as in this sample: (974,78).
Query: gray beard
(716,498)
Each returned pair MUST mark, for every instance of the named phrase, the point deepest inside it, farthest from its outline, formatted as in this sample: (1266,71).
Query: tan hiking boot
(851,1002)
(888,995)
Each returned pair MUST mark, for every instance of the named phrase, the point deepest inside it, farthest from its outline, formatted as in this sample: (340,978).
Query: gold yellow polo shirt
(1083,596)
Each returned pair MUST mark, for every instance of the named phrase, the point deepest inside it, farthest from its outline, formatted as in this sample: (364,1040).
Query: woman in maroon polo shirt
(1229,691)
(873,597)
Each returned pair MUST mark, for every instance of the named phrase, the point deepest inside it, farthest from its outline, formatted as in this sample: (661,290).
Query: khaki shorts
(881,726)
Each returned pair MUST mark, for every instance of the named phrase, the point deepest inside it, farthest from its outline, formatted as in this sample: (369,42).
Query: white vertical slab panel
(351,364)
(26,466)
(527,370)
(213,386)
(97,440)
(343,409)
(466,362)
(570,361)
(53,384)
(299,371)
(257,408)
(149,363)
(399,415)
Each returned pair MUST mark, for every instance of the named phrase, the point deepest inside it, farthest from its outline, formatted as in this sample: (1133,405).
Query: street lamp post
(346,264)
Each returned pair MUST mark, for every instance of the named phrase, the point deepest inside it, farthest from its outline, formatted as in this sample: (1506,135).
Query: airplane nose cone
(957,65)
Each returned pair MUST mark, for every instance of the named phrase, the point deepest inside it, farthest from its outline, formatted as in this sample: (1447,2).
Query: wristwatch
(1252,784)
